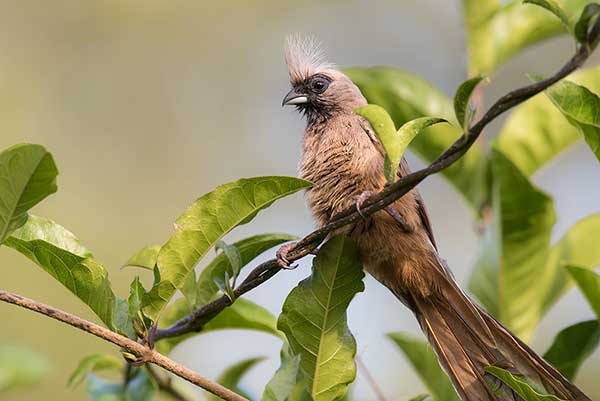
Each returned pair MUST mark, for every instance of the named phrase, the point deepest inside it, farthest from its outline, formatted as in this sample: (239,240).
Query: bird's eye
(319,84)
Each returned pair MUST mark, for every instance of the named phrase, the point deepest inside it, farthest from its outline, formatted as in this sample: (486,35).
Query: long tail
(466,339)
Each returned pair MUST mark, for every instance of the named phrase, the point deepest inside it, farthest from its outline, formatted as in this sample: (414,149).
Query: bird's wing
(402,171)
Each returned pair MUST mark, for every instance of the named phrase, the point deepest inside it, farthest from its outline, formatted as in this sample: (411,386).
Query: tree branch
(143,353)
(199,317)
(165,384)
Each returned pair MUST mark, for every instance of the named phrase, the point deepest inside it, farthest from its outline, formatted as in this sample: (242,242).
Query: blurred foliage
(518,276)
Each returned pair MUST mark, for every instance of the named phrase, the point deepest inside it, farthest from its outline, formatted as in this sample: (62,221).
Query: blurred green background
(146,105)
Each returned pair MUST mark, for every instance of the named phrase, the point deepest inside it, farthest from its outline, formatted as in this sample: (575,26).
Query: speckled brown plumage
(343,158)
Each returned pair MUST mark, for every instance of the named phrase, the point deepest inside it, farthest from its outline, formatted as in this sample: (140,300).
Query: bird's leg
(282,256)
(360,199)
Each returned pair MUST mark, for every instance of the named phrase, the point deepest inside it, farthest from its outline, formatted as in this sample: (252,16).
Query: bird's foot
(282,257)
(359,200)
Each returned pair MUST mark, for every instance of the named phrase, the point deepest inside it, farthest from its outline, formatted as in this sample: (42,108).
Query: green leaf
(520,387)
(243,314)
(498,30)
(283,382)
(205,222)
(589,14)
(555,9)
(572,346)
(385,130)
(59,253)
(94,363)
(20,367)
(248,248)
(139,388)
(406,97)
(589,284)
(536,131)
(581,107)
(233,257)
(27,176)
(462,98)
(314,320)
(512,272)
(425,362)
(231,377)
(144,258)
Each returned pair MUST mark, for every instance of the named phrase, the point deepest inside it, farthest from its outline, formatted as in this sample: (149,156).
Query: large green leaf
(581,107)
(519,386)
(140,387)
(231,377)
(27,176)
(497,30)
(283,382)
(589,284)
(537,131)
(520,239)
(59,253)
(314,320)
(249,248)
(144,258)
(94,363)
(407,97)
(205,222)
(243,314)
(425,362)
(572,346)
(20,367)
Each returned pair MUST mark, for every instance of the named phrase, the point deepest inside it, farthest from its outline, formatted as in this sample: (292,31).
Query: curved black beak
(294,97)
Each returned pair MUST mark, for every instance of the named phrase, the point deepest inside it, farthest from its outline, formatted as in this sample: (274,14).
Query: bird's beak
(294,97)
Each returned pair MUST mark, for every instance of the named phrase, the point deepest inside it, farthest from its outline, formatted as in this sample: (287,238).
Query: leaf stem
(144,353)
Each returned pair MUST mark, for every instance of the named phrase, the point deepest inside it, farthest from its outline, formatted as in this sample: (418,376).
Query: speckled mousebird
(342,156)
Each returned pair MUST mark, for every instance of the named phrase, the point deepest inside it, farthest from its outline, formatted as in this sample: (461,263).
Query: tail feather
(466,339)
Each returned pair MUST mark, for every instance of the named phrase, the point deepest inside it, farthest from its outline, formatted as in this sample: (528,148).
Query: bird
(343,158)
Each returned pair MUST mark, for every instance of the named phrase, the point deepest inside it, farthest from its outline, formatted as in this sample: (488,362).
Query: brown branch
(143,353)
(199,317)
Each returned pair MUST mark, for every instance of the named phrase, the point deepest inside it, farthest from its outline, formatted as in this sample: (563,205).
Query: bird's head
(318,88)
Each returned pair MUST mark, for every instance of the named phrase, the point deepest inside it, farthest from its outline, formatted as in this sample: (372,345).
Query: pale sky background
(146,105)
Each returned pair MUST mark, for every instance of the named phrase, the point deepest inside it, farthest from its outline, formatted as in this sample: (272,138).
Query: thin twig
(143,353)
(199,317)
(370,379)
(165,384)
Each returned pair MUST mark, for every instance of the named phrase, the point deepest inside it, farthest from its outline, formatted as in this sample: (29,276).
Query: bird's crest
(304,57)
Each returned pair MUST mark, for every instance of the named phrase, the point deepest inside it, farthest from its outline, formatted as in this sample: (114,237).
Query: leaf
(233,257)
(589,284)
(243,314)
(572,346)
(139,388)
(420,397)
(21,367)
(93,363)
(248,249)
(497,30)
(555,9)
(384,127)
(406,97)
(425,362)
(283,382)
(205,222)
(520,387)
(60,254)
(314,320)
(231,377)
(144,258)
(520,241)
(462,97)
(27,176)
(581,107)
(536,131)
(589,14)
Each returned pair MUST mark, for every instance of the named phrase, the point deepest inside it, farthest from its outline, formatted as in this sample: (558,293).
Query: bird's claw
(282,257)
(359,200)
